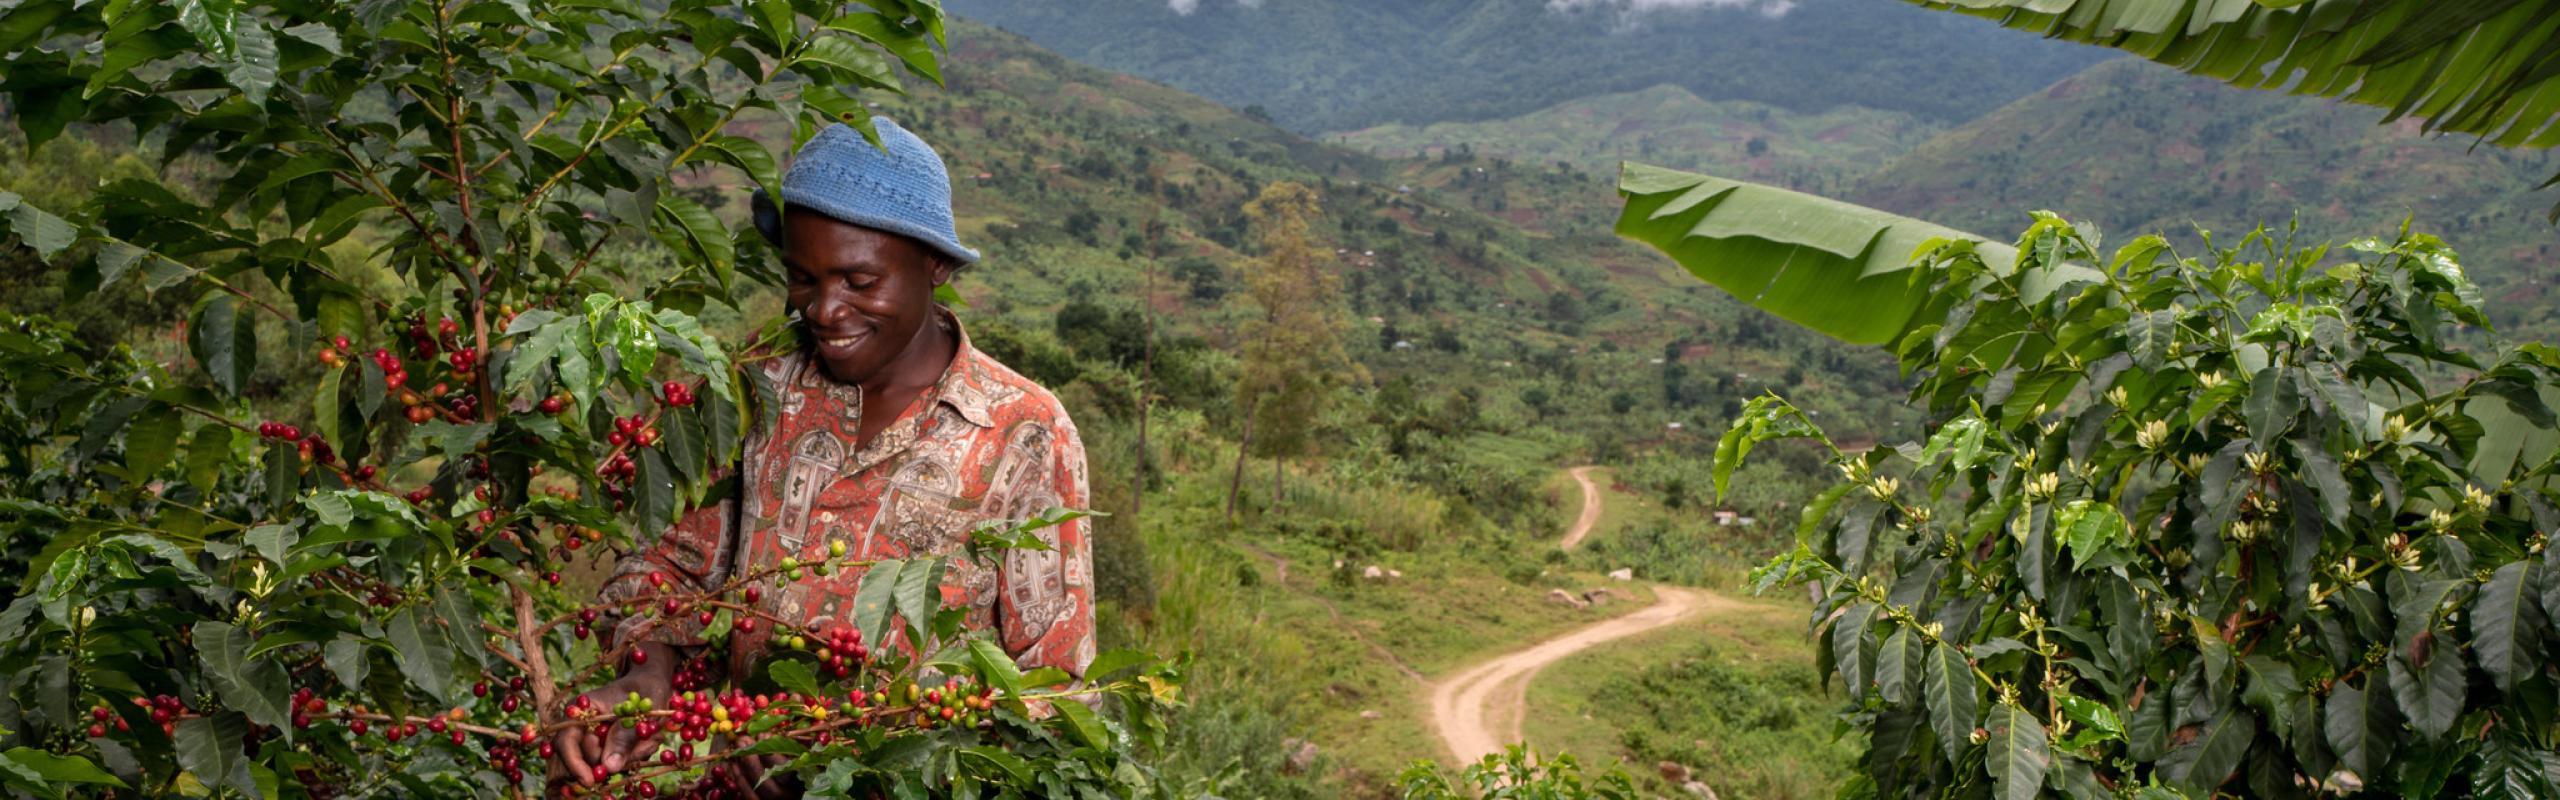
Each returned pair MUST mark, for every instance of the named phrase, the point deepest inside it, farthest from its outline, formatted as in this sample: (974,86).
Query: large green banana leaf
(1843,270)
(2480,67)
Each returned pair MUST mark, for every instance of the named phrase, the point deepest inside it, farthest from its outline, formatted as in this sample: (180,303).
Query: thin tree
(1293,355)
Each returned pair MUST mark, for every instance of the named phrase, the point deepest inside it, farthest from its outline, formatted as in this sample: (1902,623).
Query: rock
(1673,771)
(1300,755)
(1698,790)
(1622,574)
(1373,572)
(1565,598)
(1395,573)
(1370,713)
(1597,597)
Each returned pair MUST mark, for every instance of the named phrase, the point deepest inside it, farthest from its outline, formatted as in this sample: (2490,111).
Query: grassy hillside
(1669,125)
(2137,147)
(1327,65)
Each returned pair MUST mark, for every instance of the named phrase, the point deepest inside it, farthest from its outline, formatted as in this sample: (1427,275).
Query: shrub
(353,585)
(2252,523)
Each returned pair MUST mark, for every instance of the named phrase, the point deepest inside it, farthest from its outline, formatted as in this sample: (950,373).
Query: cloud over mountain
(1770,8)
(1185,7)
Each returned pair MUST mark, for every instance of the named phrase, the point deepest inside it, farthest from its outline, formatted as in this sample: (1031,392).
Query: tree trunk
(1235,485)
(1146,384)
(1275,481)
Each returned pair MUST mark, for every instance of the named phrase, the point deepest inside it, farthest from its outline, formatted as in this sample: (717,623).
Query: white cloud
(1185,7)
(1768,8)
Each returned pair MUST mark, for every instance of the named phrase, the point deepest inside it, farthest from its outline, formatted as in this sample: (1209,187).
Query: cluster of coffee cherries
(632,430)
(678,394)
(694,674)
(331,352)
(394,375)
(164,709)
(313,449)
(464,360)
(305,704)
(953,703)
(839,651)
(509,761)
(510,696)
(100,717)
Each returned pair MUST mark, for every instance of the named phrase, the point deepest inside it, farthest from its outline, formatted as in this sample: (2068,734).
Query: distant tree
(1207,282)
(1293,354)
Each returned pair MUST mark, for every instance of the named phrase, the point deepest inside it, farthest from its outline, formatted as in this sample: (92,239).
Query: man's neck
(926,358)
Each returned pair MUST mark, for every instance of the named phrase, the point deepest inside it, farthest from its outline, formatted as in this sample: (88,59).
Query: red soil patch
(1835,133)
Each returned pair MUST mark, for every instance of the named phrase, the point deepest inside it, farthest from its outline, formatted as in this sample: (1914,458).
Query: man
(894,437)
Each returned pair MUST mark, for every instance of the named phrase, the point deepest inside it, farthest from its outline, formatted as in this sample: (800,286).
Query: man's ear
(943,268)
(767,216)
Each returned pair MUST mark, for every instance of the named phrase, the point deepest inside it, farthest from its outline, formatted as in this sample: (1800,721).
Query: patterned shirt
(984,444)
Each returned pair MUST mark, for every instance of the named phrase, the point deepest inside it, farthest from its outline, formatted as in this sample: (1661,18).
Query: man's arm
(1045,605)
(693,556)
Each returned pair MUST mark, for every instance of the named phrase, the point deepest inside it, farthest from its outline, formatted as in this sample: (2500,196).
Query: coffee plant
(442,349)
(2271,521)
(1516,773)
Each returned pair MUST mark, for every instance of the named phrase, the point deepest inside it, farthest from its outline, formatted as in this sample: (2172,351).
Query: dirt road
(1590,509)
(1477,710)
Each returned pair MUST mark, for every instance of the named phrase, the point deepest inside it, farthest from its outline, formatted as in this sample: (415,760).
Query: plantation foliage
(2269,521)
(317,549)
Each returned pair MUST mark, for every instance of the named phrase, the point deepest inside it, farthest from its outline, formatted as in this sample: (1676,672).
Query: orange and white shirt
(984,444)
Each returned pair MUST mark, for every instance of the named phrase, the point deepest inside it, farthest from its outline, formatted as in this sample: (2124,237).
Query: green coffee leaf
(59,769)
(224,340)
(872,603)
(792,676)
(210,748)
(1952,698)
(2019,754)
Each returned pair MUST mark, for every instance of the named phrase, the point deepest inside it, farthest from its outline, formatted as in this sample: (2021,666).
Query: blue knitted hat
(899,187)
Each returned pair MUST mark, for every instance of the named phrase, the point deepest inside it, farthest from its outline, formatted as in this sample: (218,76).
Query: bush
(353,583)
(2256,523)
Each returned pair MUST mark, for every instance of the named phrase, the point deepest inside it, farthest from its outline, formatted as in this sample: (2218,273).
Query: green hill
(1671,126)
(1330,65)
(2137,147)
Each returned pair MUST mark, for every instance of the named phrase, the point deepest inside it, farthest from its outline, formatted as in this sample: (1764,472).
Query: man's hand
(588,757)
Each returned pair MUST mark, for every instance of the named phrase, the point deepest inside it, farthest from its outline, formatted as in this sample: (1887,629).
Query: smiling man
(894,437)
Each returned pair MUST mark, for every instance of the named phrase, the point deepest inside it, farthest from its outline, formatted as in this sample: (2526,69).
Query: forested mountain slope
(1822,152)
(2137,148)
(1327,65)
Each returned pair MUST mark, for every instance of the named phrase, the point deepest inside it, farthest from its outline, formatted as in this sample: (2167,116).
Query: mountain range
(1335,65)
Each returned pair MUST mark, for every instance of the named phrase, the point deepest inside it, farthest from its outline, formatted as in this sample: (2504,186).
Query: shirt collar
(958,387)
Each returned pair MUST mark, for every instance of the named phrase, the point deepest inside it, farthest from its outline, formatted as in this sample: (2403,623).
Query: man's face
(863,293)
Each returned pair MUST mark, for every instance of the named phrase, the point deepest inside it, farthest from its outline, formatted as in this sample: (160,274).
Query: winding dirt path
(1477,710)
(1590,509)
